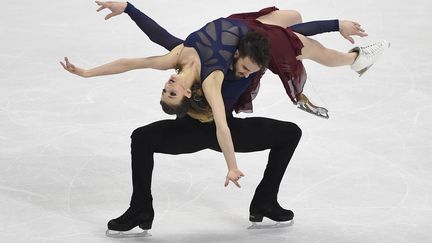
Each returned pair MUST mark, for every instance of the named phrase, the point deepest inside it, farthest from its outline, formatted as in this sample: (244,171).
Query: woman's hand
(348,28)
(116,8)
(234,175)
(72,68)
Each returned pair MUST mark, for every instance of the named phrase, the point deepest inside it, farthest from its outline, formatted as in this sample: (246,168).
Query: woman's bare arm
(212,91)
(168,61)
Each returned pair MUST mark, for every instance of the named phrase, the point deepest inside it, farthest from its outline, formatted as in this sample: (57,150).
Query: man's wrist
(128,7)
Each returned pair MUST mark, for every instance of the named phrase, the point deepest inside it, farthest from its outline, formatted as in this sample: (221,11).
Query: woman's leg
(315,51)
(312,49)
(284,18)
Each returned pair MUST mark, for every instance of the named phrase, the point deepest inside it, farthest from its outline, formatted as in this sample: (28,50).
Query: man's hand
(348,28)
(234,175)
(72,68)
(116,8)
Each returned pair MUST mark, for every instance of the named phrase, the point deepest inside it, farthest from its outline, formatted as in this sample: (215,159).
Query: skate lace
(372,49)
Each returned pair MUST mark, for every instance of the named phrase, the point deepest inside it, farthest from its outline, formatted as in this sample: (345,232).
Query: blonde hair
(199,108)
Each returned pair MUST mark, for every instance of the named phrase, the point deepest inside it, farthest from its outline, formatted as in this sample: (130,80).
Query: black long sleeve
(153,30)
(316,27)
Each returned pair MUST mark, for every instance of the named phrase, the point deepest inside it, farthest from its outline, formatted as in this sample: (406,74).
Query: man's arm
(346,28)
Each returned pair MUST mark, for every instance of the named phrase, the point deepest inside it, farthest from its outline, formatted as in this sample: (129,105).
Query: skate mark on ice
(29,193)
(327,179)
(71,183)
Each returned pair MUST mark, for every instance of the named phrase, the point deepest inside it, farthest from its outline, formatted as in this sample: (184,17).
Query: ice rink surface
(364,175)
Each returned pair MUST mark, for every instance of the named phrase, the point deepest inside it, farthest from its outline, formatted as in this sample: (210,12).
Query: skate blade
(317,111)
(126,234)
(361,72)
(276,225)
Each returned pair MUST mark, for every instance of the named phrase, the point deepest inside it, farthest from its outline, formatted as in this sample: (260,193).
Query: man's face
(244,66)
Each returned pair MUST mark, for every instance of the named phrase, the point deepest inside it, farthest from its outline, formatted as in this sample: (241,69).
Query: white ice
(364,175)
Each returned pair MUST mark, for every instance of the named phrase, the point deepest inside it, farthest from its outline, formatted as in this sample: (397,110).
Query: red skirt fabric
(285,46)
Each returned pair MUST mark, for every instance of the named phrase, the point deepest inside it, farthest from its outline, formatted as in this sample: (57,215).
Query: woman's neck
(190,65)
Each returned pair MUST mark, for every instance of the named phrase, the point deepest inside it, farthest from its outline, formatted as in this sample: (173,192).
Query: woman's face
(174,90)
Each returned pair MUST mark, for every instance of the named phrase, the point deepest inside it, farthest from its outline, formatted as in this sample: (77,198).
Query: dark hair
(179,110)
(256,46)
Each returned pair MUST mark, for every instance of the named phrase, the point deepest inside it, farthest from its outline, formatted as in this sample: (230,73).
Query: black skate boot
(271,210)
(130,219)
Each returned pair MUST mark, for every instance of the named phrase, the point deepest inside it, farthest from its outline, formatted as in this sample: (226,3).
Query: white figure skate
(368,55)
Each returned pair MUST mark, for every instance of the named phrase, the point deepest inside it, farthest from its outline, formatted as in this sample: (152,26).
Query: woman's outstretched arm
(212,90)
(168,61)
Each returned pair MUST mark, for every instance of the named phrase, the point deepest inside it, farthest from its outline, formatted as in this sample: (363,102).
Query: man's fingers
(110,15)
(64,66)
(363,34)
(100,3)
(101,8)
(350,39)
